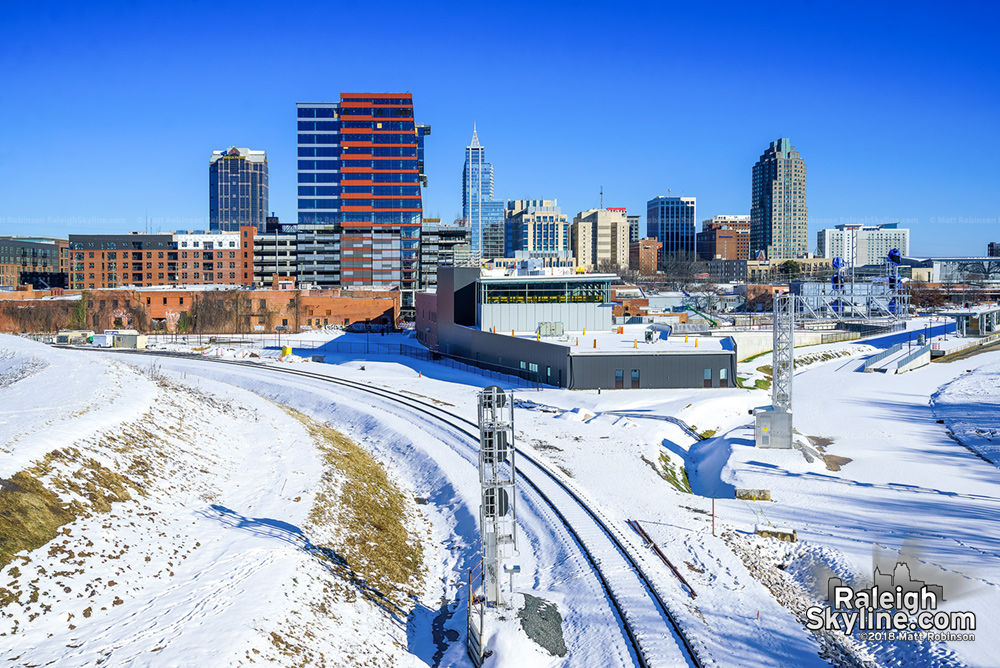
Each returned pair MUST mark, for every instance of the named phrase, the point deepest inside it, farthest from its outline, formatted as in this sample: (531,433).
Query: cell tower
(497,477)
(774,425)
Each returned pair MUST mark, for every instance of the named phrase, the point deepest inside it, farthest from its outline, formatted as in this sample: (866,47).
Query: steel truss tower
(773,428)
(497,477)
(781,362)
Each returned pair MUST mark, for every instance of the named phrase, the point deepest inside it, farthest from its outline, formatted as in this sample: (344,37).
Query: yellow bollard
(595,343)
(538,336)
(578,340)
(512,332)
(696,343)
(585,331)
(635,343)
(685,338)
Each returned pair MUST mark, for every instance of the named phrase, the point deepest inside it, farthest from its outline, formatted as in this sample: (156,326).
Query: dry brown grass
(356,494)
(31,511)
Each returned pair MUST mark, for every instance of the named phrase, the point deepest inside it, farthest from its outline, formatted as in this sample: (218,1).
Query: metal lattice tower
(497,477)
(782,357)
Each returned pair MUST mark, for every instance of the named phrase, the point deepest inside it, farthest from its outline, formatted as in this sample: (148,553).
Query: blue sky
(109,111)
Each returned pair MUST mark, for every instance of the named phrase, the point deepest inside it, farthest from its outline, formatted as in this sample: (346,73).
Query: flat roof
(548,277)
(632,340)
(974,310)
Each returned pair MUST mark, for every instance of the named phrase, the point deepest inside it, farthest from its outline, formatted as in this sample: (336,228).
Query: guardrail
(878,357)
(923,350)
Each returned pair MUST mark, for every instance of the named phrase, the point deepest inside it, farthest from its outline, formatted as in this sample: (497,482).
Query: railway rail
(650,627)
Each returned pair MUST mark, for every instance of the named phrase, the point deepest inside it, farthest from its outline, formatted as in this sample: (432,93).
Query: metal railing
(923,350)
(878,357)
(514,376)
(476,616)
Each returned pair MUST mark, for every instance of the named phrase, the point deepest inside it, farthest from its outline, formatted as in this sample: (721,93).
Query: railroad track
(650,628)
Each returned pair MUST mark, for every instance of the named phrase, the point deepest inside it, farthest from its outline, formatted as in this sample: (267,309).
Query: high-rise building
(993,249)
(671,220)
(237,189)
(441,244)
(537,227)
(360,169)
(862,244)
(779,217)
(724,238)
(271,253)
(483,214)
(633,228)
(600,235)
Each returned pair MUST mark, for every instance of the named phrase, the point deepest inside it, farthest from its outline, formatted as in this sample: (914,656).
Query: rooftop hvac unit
(550,329)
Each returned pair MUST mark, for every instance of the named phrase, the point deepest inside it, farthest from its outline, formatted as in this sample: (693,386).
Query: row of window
(318,125)
(113,278)
(170,256)
(386,190)
(322,112)
(318,139)
(319,178)
(319,152)
(405,112)
(395,126)
(409,219)
(328,165)
(402,203)
(404,151)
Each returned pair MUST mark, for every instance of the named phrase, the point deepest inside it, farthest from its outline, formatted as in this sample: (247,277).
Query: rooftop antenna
(602,197)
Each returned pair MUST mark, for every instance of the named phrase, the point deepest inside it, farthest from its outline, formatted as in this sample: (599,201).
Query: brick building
(24,258)
(134,259)
(642,255)
(724,238)
(263,310)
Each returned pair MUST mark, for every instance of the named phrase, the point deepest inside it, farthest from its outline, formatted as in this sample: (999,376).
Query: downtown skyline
(877,111)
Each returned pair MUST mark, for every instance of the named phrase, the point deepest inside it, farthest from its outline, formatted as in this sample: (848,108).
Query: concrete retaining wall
(753,343)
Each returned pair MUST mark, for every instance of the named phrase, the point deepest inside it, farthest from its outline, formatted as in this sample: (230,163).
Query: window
(708,378)
(635,379)
(723,377)
(619,378)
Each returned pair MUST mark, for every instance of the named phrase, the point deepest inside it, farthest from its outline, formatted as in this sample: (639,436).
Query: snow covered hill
(190,524)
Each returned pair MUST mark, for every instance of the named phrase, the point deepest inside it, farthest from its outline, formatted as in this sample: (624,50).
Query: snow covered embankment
(970,408)
(215,528)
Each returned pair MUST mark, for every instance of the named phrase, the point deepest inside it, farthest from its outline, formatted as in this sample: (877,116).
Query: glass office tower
(671,221)
(360,170)
(237,189)
(483,215)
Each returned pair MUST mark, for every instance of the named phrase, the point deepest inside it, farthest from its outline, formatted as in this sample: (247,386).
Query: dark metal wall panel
(505,353)
(656,370)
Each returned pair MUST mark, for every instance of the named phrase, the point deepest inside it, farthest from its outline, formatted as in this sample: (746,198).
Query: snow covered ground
(881,474)
(195,535)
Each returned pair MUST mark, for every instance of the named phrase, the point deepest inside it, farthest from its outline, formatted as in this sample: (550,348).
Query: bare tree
(680,270)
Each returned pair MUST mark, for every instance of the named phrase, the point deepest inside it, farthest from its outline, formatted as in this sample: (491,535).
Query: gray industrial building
(557,330)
